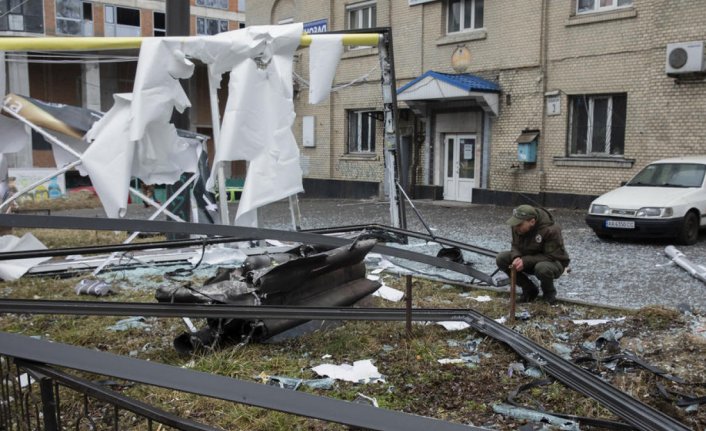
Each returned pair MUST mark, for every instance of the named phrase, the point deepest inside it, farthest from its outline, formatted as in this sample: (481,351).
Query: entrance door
(459,167)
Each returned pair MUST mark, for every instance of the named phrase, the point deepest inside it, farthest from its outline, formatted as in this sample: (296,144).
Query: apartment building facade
(557,101)
(89,79)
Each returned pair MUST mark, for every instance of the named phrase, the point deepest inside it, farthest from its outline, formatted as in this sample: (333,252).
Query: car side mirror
(622,183)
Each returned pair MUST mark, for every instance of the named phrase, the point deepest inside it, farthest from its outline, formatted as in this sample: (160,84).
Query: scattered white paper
(362,371)
(389,293)
(450,361)
(373,277)
(484,298)
(454,326)
(16,268)
(593,322)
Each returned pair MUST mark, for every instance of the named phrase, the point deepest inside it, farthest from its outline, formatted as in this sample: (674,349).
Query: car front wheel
(689,233)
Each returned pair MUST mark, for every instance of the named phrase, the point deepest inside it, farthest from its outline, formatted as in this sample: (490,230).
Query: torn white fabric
(63,157)
(159,157)
(157,88)
(108,161)
(362,371)
(14,269)
(258,119)
(14,135)
(324,56)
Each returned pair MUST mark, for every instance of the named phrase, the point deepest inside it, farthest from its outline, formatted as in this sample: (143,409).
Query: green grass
(414,380)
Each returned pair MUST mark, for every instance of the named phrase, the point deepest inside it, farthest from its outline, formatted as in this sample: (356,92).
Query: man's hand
(518,264)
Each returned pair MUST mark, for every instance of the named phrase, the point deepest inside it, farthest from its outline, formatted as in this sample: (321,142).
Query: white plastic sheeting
(14,269)
(258,118)
(14,136)
(326,51)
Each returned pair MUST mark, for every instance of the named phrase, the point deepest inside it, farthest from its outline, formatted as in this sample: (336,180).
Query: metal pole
(408,303)
(392,147)
(216,127)
(46,387)
(177,13)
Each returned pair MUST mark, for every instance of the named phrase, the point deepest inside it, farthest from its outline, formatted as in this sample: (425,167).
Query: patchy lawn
(415,380)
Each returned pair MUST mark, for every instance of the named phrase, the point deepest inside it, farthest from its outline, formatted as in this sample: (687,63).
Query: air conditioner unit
(685,57)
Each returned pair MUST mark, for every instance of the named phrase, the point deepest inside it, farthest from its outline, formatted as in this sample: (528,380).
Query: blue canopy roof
(464,81)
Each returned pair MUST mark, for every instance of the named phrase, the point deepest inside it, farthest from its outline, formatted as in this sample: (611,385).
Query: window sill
(590,18)
(360,52)
(360,157)
(465,36)
(594,162)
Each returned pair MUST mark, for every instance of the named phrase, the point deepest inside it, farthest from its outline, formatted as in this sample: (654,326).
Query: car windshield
(670,175)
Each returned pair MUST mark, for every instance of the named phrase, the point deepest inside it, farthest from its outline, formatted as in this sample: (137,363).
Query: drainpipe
(331,106)
(544,37)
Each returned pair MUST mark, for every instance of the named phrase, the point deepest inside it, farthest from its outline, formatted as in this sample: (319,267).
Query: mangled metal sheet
(303,276)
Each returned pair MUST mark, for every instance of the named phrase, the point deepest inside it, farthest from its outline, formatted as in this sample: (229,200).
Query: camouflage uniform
(543,254)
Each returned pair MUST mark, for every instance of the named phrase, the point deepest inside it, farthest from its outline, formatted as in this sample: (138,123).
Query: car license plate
(620,224)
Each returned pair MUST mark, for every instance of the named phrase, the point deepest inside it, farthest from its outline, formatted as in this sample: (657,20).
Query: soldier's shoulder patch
(538,238)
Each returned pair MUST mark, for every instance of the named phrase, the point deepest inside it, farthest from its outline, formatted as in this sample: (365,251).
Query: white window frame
(597,7)
(155,29)
(357,143)
(113,28)
(463,26)
(590,123)
(355,13)
(78,20)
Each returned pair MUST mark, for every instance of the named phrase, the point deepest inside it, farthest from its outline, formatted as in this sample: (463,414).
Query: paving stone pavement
(621,273)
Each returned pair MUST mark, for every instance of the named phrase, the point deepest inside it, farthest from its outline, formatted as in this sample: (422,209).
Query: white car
(665,199)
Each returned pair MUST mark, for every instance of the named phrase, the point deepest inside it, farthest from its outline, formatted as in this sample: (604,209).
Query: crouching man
(537,248)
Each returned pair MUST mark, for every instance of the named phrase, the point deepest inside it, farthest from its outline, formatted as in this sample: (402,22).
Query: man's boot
(529,289)
(548,292)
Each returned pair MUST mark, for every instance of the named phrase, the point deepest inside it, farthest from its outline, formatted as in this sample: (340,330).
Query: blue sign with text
(318,26)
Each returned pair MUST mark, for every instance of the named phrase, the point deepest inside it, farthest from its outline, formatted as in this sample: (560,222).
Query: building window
(209,26)
(361,131)
(159,24)
(218,4)
(22,16)
(361,15)
(241,5)
(464,15)
(588,6)
(74,17)
(122,21)
(597,125)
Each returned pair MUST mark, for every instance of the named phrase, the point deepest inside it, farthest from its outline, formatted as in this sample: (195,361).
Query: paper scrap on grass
(362,371)
(593,322)
(483,298)
(389,293)
(131,322)
(16,268)
(454,325)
